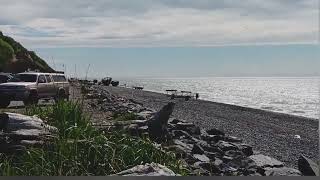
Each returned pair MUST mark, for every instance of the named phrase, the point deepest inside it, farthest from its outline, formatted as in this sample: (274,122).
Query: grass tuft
(81,150)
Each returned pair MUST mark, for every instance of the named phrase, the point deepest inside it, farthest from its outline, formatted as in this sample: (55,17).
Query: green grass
(80,149)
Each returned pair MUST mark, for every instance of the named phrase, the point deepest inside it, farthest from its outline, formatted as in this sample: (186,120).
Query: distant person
(197,96)
(172,96)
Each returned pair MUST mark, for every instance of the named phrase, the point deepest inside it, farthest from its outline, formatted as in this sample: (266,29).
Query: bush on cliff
(26,59)
(6,53)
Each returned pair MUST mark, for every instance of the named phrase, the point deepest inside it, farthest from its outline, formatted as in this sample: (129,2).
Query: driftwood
(17,132)
(158,124)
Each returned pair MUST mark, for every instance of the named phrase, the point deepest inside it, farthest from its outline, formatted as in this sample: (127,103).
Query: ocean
(298,96)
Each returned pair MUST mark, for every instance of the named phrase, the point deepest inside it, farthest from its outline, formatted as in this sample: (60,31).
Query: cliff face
(15,58)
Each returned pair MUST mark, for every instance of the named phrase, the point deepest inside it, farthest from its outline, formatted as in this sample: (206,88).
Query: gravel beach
(273,134)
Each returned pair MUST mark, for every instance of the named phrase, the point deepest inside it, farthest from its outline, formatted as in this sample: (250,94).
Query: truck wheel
(4,103)
(32,99)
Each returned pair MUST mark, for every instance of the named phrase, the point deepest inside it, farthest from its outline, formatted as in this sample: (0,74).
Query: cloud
(40,23)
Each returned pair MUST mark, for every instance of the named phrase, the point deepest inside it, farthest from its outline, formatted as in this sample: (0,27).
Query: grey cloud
(108,22)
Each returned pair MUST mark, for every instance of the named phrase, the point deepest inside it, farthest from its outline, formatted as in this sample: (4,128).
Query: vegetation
(21,52)
(80,149)
(6,53)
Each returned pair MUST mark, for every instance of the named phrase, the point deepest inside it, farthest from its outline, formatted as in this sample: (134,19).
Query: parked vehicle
(5,77)
(115,83)
(32,86)
(106,81)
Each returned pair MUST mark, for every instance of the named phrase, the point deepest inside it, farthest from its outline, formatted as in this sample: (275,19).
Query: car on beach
(29,87)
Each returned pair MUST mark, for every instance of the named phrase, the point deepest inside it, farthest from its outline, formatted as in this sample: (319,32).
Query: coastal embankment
(282,136)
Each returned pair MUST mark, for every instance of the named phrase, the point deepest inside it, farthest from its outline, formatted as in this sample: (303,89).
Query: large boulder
(152,169)
(265,161)
(308,167)
(158,124)
(18,131)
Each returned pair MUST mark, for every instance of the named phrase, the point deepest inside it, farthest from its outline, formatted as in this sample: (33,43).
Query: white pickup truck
(32,86)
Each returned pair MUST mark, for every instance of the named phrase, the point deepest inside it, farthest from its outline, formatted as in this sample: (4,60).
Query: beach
(278,135)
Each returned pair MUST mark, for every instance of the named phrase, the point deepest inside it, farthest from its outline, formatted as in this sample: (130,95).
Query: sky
(169,38)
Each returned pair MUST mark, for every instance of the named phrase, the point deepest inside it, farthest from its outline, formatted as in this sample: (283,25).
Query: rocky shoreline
(203,151)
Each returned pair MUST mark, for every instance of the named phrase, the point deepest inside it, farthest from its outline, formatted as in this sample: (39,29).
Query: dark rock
(188,127)
(308,167)
(246,149)
(215,132)
(158,125)
(282,172)
(234,154)
(265,161)
(200,172)
(226,146)
(180,133)
(210,167)
(212,138)
(212,155)
(152,169)
(197,149)
(175,121)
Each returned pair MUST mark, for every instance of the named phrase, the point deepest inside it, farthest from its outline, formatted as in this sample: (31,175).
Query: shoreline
(271,133)
(245,107)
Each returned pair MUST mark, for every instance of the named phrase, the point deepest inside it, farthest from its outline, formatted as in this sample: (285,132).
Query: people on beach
(197,96)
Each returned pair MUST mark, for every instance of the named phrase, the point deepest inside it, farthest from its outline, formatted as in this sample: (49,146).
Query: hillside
(15,58)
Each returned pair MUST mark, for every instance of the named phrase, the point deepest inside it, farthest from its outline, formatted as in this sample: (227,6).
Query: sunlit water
(297,96)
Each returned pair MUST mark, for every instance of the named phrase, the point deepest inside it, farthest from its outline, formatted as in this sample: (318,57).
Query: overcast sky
(159,24)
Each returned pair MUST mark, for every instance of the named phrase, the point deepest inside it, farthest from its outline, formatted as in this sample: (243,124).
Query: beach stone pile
(18,132)
(207,152)
(106,102)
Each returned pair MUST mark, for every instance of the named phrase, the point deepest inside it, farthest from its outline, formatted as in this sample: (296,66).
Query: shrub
(6,53)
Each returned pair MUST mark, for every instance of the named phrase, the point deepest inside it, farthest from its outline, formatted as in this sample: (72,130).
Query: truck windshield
(24,78)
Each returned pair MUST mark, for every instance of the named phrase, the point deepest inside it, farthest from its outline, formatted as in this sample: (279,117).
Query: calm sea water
(297,96)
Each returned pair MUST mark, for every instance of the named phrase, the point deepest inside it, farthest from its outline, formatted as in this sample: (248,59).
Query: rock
(308,167)
(188,127)
(246,149)
(152,169)
(282,172)
(158,125)
(234,154)
(215,132)
(209,167)
(175,121)
(19,131)
(212,138)
(226,146)
(182,149)
(145,114)
(202,158)
(265,161)
(212,155)
(232,139)
(197,149)
(200,172)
